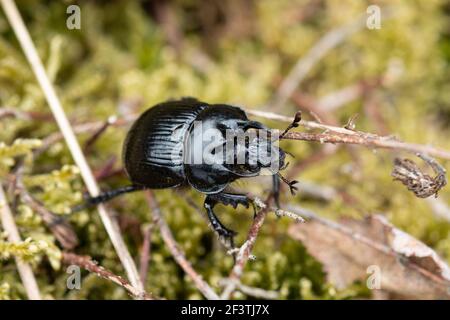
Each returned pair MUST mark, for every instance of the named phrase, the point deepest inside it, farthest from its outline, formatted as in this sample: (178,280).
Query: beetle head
(254,151)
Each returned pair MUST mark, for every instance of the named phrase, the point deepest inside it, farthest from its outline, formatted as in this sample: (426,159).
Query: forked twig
(244,251)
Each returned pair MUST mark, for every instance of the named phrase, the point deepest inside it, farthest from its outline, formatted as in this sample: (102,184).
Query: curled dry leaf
(423,185)
(408,268)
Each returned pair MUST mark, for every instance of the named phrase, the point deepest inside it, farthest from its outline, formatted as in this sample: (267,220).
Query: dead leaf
(409,268)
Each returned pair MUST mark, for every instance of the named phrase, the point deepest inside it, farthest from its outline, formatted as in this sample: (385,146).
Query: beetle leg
(234,200)
(218,227)
(106,196)
(276,190)
(231,199)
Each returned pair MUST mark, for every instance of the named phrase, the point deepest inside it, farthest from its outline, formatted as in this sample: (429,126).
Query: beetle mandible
(161,146)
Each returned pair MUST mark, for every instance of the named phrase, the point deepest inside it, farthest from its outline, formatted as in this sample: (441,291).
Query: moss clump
(123,60)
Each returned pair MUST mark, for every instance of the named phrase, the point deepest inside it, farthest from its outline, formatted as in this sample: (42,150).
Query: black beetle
(161,147)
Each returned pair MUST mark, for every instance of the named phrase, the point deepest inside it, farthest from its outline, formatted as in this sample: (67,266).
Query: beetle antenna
(294,124)
(289,153)
(284,166)
(291,184)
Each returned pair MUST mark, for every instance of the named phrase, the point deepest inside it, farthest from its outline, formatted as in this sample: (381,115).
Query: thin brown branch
(333,134)
(90,265)
(14,113)
(310,215)
(145,251)
(368,140)
(304,123)
(107,170)
(90,142)
(25,271)
(60,228)
(343,96)
(245,251)
(176,251)
(314,55)
(307,103)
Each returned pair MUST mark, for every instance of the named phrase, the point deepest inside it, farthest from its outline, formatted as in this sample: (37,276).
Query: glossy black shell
(151,155)
(153,152)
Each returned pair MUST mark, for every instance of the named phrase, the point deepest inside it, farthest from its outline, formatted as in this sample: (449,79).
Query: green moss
(120,62)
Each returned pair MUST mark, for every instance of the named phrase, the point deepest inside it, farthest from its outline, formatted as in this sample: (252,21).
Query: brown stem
(371,140)
(145,252)
(60,228)
(245,251)
(177,253)
(90,265)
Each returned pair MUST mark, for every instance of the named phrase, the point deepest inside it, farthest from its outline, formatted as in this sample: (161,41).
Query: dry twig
(333,134)
(177,253)
(315,54)
(59,227)
(90,142)
(145,251)
(87,263)
(244,251)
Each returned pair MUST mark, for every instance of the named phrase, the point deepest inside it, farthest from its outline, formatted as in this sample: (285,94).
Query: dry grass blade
(30,51)
(25,271)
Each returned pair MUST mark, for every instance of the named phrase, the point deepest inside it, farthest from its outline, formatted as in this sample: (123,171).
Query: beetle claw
(226,236)
(291,184)
(292,187)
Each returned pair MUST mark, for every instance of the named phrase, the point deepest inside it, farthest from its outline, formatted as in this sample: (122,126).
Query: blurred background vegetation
(130,55)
